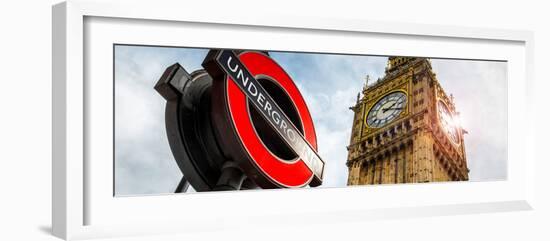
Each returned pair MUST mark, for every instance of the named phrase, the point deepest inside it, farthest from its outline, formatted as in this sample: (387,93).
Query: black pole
(182,186)
(249,184)
(231,179)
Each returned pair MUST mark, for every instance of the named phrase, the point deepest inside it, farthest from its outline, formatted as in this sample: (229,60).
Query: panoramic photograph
(196,120)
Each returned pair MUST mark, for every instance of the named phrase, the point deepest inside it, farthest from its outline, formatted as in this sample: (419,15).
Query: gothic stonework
(404,129)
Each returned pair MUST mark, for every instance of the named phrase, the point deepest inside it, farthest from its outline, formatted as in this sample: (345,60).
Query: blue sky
(329,84)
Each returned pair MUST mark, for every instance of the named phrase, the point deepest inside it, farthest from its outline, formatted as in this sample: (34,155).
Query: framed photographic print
(167,123)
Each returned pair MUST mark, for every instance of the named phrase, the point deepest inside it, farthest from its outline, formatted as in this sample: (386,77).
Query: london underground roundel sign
(262,121)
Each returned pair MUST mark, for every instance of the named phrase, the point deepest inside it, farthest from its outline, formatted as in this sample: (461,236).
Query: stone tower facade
(405,129)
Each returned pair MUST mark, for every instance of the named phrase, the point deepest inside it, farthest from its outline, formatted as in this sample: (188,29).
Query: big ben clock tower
(405,130)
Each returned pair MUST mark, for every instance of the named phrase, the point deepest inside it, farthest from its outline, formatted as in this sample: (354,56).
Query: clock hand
(392,105)
(384,109)
(389,108)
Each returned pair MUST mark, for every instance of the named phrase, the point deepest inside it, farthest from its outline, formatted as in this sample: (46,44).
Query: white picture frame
(83,204)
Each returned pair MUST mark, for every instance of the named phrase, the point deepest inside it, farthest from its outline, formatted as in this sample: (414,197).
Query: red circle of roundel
(295,174)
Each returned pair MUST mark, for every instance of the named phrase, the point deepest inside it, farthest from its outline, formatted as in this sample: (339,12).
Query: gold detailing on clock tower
(404,138)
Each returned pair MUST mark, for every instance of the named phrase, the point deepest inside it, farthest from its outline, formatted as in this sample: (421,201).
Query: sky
(329,84)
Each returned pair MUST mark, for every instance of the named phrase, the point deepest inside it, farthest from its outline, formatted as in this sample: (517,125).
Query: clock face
(386,109)
(446,121)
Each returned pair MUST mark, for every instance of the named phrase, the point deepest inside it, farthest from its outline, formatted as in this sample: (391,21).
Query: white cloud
(332,125)
(330,84)
(143,161)
(480,91)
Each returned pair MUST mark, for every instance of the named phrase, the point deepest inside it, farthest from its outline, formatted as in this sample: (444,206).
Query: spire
(367,79)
